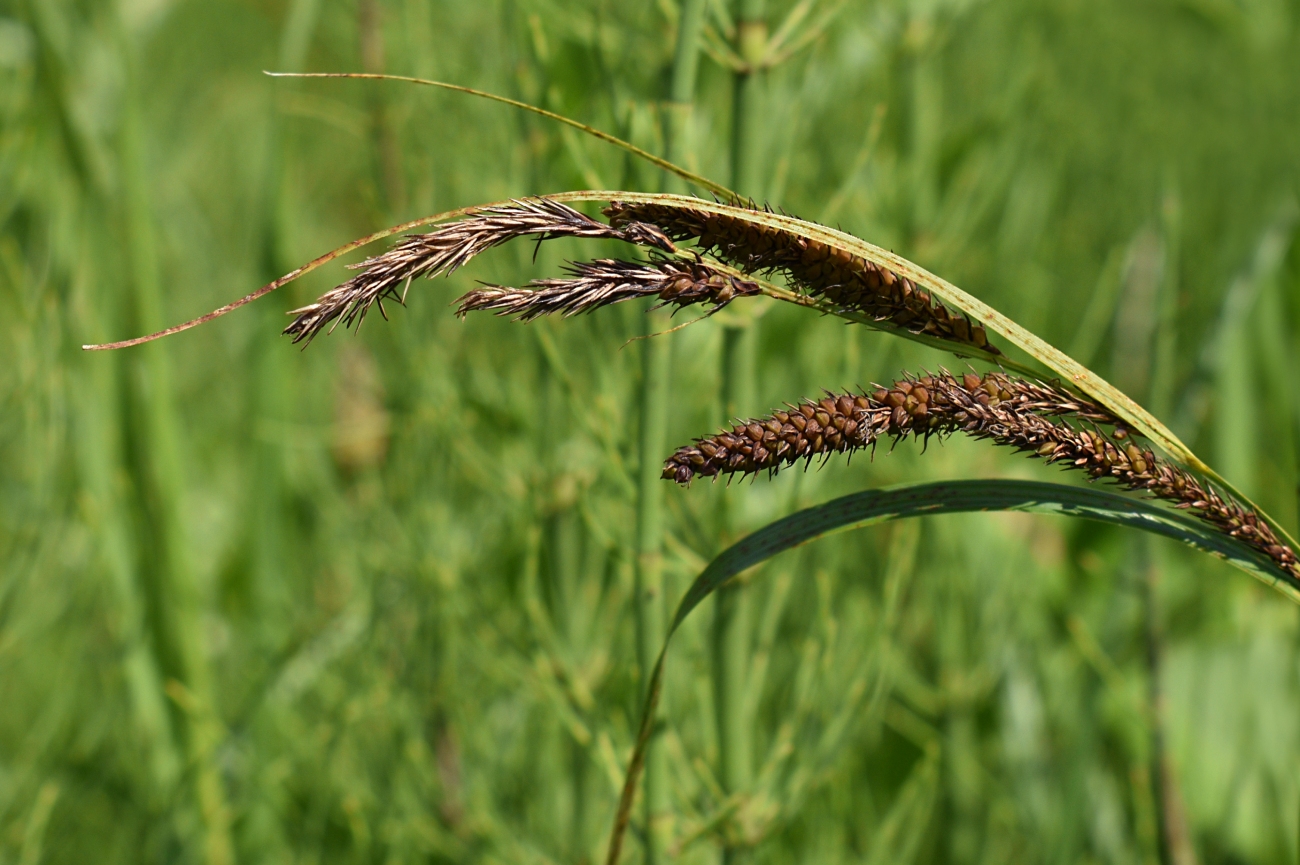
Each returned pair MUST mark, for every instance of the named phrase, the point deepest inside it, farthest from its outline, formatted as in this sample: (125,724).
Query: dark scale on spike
(851,283)
(1028,416)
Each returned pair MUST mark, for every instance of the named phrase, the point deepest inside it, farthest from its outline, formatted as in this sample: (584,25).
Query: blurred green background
(370,602)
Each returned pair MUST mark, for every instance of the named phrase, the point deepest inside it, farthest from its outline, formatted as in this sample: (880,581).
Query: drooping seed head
(448,247)
(849,282)
(1028,416)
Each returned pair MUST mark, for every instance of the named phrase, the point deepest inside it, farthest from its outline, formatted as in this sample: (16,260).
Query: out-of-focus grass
(371,601)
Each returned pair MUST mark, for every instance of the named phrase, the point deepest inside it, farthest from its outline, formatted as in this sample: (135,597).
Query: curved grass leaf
(943,497)
(689,176)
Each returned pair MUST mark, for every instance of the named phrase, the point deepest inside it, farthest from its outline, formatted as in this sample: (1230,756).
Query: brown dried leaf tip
(1027,416)
(450,246)
(851,283)
(592,285)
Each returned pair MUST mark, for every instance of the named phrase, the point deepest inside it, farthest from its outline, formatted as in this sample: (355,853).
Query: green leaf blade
(942,497)
(948,497)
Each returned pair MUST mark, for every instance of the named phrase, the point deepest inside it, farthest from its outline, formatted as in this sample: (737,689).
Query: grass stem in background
(172,598)
(100,428)
(656,369)
(385,150)
(100,460)
(564,538)
(731,638)
(267,522)
(1174,843)
(649,601)
(681,97)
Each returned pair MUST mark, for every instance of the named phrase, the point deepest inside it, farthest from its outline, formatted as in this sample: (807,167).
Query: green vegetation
(385,599)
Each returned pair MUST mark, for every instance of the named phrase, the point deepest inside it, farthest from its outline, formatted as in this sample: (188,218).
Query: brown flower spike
(1009,411)
(450,246)
(851,283)
(592,285)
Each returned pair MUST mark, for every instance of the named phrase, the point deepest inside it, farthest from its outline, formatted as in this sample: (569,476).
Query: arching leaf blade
(946,497)
(942,497)
(659,162)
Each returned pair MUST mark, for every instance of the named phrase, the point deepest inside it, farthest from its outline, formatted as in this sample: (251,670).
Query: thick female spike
(1025,415)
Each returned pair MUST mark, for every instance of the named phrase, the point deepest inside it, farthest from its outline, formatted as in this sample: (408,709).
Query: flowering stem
(656,366)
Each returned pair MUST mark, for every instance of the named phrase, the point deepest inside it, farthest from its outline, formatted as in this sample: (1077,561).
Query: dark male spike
(450,246)
(605,281)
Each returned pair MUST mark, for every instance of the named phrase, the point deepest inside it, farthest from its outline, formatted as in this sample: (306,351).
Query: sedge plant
(689,252)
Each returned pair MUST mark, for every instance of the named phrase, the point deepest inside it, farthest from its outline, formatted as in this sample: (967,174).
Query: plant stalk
(681,95)
(273,386)
(747,119)
(100,409)
(386,151)
(731,625)
(564,539)
(1174,844)
(1173,841)
(153,452)
(656,364)
(656,368)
